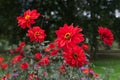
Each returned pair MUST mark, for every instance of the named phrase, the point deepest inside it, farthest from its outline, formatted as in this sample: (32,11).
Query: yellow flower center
(75,56)
(27,17)
(37,33)
(67,36)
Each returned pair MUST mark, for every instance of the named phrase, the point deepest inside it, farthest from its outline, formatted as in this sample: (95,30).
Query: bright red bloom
(22,44)
(69,36)
(54,52)
(44,61)
(75,56)
(106,35)
(18,49)
(4,65)
(16,59)
(28,18)
(85,46)
(52,45)
(24,65)
(1,59)
(38,56)
(36,34)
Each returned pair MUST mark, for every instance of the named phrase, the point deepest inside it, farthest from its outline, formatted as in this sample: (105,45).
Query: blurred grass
(111,61)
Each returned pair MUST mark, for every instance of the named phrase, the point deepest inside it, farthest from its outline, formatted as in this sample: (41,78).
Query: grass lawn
(108,61)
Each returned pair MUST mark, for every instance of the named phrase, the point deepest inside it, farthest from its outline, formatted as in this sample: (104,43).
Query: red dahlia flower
(22,44)
(28,18)
(1,59)
(38,56)
(75,57)
(18,49)
(69,36)
(4,65)
(106,35)
(54,52)
(24,65)
(16,59)
(85,46)
(36,34)
(44,61)
(52,45)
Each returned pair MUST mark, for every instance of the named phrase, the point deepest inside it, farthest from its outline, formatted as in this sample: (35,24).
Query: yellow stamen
(75,56)
(27,17)
(67,36)
(37,33)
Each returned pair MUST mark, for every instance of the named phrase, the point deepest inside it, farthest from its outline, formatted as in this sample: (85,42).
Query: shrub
(65,58)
